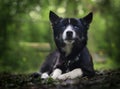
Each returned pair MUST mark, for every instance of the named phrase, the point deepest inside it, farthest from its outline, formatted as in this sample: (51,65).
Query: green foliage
(97,34)
(112,33)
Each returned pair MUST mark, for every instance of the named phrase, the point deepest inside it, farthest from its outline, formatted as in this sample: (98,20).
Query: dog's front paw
(44,76)
(54,77)
(71,75)
(56,73)
(63,77)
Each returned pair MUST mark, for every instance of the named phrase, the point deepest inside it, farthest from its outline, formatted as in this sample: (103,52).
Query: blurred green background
(26,35)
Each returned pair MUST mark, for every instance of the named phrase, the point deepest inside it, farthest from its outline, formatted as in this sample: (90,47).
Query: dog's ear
(88,18)
(53,17)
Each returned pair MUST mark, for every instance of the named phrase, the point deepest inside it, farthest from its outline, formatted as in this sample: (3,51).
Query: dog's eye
(76,27)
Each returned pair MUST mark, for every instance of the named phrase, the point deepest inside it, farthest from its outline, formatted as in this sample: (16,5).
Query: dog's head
(70,31)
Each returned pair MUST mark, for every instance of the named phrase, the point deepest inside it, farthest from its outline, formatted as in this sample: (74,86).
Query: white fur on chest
(67,49)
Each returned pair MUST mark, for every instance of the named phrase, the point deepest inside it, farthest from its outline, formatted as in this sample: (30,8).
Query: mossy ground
(108,79)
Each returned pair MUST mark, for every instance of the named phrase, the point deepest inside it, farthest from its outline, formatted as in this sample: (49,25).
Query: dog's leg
(56,73)
(71,75)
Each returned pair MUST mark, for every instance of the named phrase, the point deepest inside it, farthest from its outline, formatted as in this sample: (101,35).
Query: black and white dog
(72,58)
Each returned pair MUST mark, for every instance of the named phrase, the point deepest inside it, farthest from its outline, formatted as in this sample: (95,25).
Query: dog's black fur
(78,56)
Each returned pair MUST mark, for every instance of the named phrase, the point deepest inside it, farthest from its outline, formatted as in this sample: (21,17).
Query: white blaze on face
(68,28)
(68,46)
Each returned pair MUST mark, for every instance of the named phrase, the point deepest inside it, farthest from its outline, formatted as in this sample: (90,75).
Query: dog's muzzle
(69,35)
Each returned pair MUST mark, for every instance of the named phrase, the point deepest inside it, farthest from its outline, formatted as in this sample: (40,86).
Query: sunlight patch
(61,10)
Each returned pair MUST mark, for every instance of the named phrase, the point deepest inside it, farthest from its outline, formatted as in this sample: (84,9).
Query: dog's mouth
(69,41)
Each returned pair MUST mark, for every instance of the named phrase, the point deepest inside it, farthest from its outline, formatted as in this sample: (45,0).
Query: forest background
(26,34)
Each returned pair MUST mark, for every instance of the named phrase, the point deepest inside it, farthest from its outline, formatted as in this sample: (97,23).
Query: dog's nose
(69,34)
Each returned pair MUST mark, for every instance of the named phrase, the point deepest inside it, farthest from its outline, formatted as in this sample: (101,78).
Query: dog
(71,59)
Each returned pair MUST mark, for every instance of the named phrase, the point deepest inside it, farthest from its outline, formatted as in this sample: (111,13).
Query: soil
(107,79)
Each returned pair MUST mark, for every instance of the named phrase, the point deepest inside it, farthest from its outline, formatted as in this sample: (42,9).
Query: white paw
(56,73)
(63,77)
(54,77)
(44,76)
(71,75)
